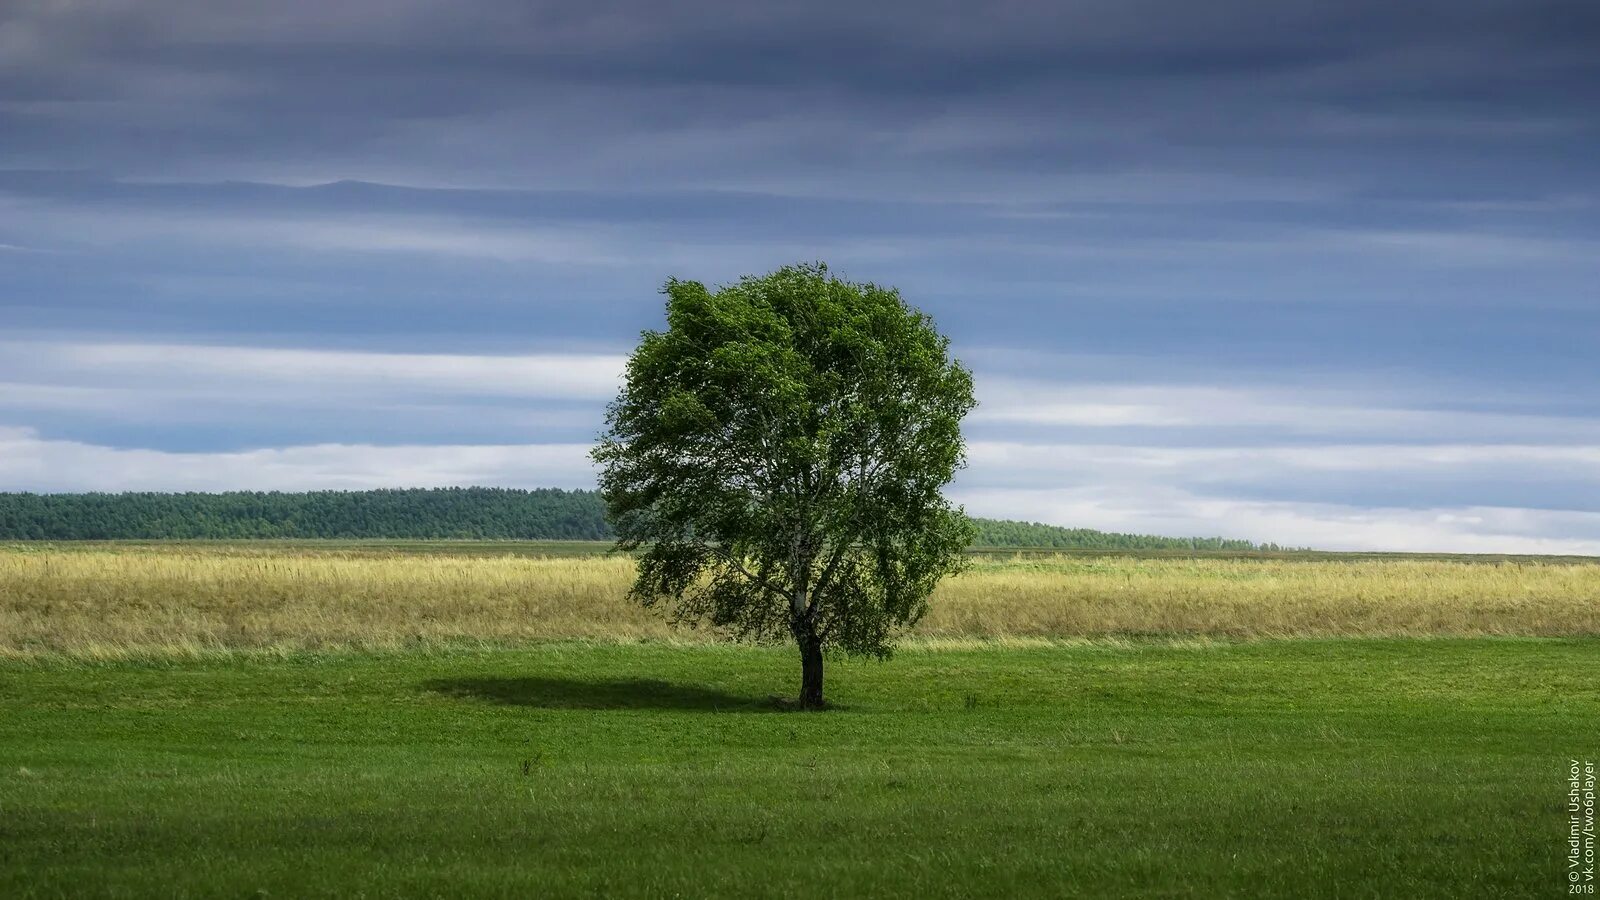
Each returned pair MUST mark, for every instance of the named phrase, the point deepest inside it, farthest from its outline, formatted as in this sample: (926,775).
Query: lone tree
(778,454)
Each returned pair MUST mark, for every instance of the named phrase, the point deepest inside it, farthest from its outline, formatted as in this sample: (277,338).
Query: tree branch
(827,575)
(758,580)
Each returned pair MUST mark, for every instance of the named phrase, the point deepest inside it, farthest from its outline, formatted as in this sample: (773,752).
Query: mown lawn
(1350,768)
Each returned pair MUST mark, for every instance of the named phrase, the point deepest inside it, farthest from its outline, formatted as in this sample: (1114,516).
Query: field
(307,720)
(117,601)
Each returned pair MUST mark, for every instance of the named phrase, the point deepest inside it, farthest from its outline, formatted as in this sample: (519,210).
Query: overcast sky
(1321,273)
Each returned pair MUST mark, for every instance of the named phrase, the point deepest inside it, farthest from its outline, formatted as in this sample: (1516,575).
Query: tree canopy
(778,455)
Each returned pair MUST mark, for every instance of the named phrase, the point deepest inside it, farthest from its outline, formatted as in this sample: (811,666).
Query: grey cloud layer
(1313,272)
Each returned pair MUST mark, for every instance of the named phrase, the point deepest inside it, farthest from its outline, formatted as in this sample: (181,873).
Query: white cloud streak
(1302,411)
(27,460)
(1113,461)
(40,373)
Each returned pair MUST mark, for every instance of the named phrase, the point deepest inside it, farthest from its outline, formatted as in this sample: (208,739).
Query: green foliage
(778,454)
(481,513)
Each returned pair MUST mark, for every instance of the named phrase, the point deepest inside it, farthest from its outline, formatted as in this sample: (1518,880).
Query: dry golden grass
(110,602)
(1268,598)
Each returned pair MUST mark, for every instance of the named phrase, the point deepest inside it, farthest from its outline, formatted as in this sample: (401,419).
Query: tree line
(413,513)
(425,513)
(1007,533)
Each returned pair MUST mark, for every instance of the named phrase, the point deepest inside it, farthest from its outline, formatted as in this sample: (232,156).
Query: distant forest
(422,513)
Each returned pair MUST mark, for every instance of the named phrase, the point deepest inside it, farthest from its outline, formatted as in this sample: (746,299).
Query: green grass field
(1292,768)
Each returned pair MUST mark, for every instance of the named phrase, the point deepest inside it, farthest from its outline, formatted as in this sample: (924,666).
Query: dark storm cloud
(1310,90)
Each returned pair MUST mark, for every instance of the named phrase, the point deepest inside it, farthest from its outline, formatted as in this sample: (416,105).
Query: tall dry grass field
(109,602)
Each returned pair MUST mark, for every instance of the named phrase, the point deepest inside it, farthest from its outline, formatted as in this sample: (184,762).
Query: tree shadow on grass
(622,693)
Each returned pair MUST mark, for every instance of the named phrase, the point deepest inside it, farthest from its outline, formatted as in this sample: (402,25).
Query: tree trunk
(810,670)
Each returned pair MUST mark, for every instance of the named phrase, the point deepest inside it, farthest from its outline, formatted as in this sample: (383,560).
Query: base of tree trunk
(811,672)
(792,704)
